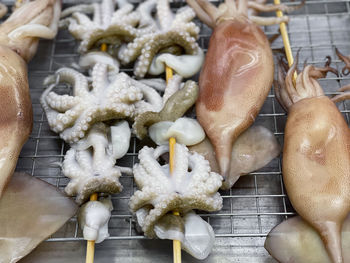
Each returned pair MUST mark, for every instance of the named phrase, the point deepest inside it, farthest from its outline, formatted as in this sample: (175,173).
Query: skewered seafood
(180,100)
(316,156)
(236,76)
(170,30)
(30,211)
(91,162)
(187,131)
(93,219)
(18,42)
(190,186)
(113,96)
(107,26)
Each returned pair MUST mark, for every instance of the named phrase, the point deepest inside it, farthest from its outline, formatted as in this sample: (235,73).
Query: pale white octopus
(90,163)
(190,186)
(93,219)
(110,96)
(108,25)
(173,31)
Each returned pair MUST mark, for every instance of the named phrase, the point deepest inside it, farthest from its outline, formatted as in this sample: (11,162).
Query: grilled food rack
(255,204)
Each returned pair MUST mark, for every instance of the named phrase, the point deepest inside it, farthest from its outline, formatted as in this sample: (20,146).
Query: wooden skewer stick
(172,142)
(285,38)
(90,247)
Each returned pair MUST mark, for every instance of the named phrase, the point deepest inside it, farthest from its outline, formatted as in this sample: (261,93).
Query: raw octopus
(113,96)
(237,73)
(90,163)
(19,36)
(173,33)
(316,155)
(190,186)
(176,101)
(93,219)
(107,26)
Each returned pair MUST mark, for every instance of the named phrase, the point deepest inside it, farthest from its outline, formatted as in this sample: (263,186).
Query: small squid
(237,73)
(19,36)
(316,155)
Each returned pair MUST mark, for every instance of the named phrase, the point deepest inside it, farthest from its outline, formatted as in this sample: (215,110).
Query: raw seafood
(30,211)
(18,42)
(93,219)
(31,21)
(253,149)
(236,76)
(115,96)
(296,241)
(90,164)
(107,25)
(175,107)
(170,30)
(316,156)
(186,131)
(182,191)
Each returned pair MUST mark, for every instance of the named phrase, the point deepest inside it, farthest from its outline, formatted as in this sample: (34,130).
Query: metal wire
(258,201)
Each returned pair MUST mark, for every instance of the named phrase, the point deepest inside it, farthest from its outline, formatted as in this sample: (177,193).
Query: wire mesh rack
(255,204)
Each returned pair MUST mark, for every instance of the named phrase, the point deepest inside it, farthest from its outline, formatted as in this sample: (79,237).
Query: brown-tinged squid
(18,43)
(316,155)
(237,74)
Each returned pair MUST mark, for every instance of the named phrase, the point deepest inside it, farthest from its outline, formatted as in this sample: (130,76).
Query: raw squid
(296,241)
(237,72)
(316,156)
(30,211)
(18,42)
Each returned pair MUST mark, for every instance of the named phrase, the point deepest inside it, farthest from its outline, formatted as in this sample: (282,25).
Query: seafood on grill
(190,186)
(177,99)
(237,74)
(19,36)
(316,156)
(187,131)
(172,43)
(93,219)
(91,162)
(107,26)
(112,96)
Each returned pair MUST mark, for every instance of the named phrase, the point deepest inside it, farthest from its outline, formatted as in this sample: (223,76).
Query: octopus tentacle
(77,80)
(99,78)
(270,8)
(61,103)
(346,60)
(88,9)
(268,21)
(145,12)
(344,96)
(202,15)
(165,15)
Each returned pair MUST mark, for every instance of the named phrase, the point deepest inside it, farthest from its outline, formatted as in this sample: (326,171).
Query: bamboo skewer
(90,246)
(285,38)
(172,142)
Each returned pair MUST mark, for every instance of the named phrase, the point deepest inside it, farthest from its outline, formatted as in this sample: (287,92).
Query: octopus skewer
(90,246)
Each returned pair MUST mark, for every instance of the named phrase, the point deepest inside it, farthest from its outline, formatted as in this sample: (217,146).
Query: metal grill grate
(258,201)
